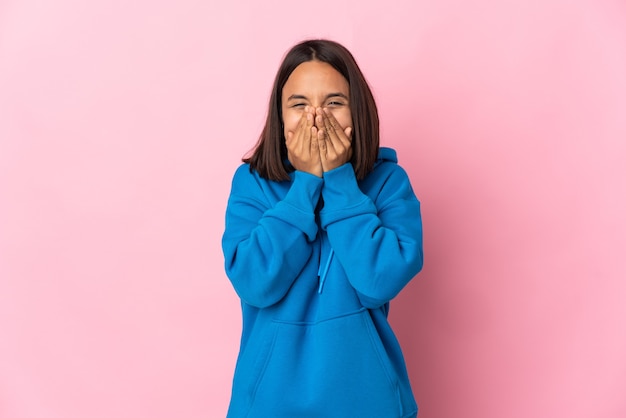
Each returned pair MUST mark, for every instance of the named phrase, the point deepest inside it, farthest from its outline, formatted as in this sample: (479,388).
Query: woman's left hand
(334,142)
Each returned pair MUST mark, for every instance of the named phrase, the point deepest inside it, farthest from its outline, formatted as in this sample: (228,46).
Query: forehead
(315,77)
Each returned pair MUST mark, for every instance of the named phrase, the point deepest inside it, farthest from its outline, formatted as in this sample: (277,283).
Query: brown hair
(269,156)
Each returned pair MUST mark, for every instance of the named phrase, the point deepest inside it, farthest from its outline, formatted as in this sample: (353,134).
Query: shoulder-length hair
(269,156)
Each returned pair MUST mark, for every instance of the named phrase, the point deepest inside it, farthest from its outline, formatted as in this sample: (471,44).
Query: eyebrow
(328,96)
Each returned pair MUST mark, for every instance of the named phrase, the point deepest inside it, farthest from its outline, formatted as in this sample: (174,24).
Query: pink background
(121,124)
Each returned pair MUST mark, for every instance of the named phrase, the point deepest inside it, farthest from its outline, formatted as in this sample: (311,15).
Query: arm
(265,247)
(379,245)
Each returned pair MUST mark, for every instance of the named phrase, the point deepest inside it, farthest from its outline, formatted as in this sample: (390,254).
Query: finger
(334,143)
(348,133)
(322,143)
(329,129)
(335,131)
(295,142)
(307,137)
(315,143)
(321,124)
(309,121)
(303,131)
(300,126)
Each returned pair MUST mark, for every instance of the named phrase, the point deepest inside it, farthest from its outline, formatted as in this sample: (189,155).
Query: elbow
(259,298)
(418,262)
(256,289)
(385,284)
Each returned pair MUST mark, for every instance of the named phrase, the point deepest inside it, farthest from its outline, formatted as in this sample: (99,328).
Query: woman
(322,231)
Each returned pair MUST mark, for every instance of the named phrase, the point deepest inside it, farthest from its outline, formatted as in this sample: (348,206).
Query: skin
(316,117)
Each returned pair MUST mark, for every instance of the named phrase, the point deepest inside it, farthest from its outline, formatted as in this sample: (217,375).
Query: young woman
(322,231)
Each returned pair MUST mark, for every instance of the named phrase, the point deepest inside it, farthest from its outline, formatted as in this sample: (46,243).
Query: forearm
(265,247)
(380,248)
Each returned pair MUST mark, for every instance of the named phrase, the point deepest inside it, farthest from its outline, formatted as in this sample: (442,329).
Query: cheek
(291,120)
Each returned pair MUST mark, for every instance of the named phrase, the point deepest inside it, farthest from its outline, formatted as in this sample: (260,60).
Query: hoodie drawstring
(325,272)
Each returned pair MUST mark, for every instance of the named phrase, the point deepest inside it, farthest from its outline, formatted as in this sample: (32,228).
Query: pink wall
(122,122)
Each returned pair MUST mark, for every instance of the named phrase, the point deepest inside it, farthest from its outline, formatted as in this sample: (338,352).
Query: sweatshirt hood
(386,154)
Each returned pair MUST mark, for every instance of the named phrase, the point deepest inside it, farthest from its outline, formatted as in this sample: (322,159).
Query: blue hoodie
(315,286)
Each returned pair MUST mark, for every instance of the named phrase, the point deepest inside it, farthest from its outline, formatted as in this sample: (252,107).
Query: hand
(302,145)
(335,144)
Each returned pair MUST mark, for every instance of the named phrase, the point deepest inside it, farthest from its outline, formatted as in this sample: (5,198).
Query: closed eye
(336,100)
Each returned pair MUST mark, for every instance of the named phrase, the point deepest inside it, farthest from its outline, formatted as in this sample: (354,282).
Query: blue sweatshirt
(315,277)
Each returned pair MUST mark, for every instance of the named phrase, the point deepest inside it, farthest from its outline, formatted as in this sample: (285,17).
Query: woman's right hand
(302,145)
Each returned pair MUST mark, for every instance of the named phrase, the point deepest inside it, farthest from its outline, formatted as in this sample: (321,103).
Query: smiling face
(316,84)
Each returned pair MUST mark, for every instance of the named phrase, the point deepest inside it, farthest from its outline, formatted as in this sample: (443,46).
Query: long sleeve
(378,240)
(266,241)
